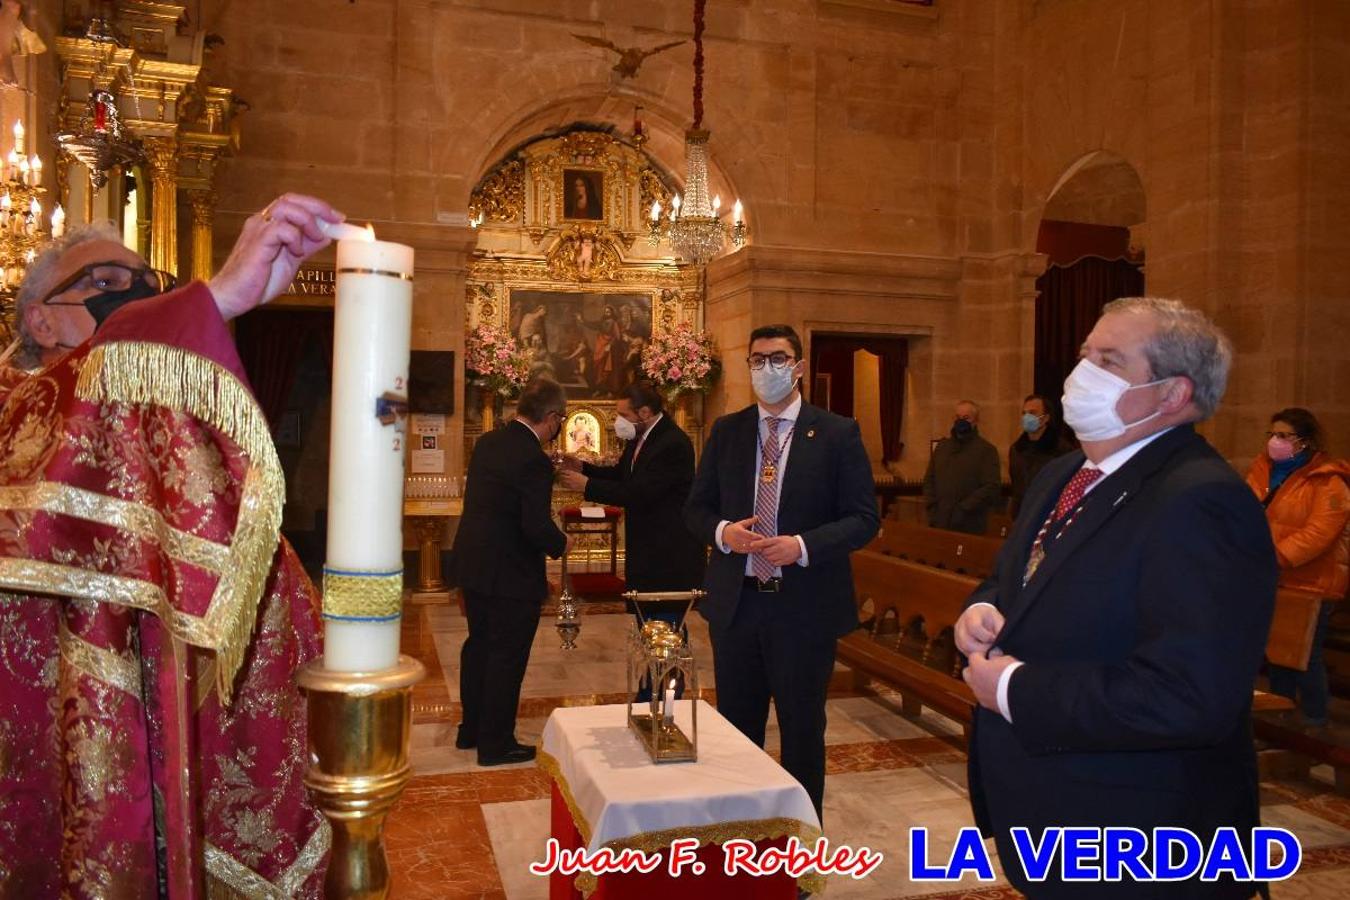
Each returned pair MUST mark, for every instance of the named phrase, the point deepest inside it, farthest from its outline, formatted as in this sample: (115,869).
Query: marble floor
(462,832)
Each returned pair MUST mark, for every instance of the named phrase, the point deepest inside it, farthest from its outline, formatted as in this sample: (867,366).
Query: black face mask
(961,429)
(101,306)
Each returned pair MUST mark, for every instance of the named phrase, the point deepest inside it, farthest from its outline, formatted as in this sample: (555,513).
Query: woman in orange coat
(1307,501)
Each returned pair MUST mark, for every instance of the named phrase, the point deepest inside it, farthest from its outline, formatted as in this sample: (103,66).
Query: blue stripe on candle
(363,574)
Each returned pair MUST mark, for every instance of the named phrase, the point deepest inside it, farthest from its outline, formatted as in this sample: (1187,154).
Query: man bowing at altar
(152,739)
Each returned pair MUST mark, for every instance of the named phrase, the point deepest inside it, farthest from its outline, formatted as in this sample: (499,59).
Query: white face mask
(625,429)
(772,385)
(1090,397)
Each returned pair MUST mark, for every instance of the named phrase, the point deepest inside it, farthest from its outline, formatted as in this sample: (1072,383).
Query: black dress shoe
(517,754)
(464,741)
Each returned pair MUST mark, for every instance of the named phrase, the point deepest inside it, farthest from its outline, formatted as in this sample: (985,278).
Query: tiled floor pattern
(464,832)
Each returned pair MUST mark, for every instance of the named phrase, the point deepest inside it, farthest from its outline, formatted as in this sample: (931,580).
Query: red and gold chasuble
(152,738)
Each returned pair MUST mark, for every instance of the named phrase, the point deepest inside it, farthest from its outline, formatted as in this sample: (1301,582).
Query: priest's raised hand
(271,246)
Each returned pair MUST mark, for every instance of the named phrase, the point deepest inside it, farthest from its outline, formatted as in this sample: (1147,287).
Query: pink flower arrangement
(492,360)
(681,359)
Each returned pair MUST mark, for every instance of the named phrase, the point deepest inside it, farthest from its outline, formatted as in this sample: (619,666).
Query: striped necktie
(766,497)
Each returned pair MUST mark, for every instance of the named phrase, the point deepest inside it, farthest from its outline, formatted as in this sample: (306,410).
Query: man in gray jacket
(962,482)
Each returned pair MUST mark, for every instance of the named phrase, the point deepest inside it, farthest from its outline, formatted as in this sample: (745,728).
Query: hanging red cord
(698,63)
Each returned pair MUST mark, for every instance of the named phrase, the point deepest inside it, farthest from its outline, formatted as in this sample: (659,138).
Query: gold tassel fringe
(156,374)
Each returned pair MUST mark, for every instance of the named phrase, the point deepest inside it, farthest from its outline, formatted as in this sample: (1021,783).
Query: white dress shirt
(1108,467)
(786,427)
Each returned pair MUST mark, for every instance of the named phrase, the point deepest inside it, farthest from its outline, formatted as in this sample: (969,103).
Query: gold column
(162,156)
(203,214)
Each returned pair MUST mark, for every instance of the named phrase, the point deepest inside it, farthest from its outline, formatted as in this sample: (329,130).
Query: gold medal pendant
(768,473)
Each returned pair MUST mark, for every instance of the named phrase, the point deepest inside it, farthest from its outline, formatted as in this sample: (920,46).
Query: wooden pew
(909,612)
(1290,644)
(967,554)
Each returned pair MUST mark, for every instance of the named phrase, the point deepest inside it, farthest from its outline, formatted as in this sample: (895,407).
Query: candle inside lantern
(363,576)
(668,714)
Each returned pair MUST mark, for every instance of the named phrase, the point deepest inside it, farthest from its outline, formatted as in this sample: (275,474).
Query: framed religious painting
(583,192)
(590,343)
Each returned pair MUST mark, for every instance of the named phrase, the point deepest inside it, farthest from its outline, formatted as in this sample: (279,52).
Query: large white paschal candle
(363,576)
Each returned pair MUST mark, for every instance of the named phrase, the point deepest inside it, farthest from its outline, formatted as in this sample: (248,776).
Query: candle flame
(370,232)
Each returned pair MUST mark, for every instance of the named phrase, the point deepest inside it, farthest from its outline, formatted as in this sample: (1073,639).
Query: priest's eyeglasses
(777,359)
(108,278)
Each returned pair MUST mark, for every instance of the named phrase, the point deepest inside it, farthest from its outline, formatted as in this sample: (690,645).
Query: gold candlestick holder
(359,726)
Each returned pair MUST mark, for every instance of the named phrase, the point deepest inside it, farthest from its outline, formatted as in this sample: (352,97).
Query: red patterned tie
(1069,498)
(1073,492)
(766,497)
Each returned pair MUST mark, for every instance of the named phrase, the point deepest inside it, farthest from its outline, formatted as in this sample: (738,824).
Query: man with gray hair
(1114,650)
(153,618)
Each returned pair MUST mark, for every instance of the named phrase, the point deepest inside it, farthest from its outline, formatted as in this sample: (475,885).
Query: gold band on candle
(385,272)
(362,595)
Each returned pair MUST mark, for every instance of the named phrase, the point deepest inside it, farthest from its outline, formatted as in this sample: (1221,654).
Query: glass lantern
(661,653)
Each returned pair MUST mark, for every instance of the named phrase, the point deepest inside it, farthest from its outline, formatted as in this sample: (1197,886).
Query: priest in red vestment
(152,738)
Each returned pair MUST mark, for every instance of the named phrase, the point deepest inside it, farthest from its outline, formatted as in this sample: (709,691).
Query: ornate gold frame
(526,244)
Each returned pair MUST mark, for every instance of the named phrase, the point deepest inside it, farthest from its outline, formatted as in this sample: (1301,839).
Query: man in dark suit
(651,482)
(1114,649)
(784,493)
(506,531)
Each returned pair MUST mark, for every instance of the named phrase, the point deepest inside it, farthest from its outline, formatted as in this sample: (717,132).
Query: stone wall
(895,162)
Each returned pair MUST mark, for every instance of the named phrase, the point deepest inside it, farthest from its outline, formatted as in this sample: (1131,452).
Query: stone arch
(598,105)
(1091,232)
(1099,188)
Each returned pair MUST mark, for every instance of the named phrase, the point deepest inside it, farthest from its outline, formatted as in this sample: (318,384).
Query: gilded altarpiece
(564,263)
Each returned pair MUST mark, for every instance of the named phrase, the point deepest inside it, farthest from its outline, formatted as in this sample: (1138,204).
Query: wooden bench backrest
(970,554)
(912,607)
(901,590)
(1291,630)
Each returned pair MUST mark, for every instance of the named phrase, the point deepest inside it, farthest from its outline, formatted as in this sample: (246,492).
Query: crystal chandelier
(694,227)
(100,142)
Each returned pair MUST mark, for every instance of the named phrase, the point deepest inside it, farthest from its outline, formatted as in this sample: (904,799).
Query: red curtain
(1070,301)
(833,355)
(271,343)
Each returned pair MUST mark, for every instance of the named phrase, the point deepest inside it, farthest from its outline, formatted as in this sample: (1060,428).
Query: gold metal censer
(661,653)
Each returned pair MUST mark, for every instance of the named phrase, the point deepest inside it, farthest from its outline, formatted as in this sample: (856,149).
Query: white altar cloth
(618,796)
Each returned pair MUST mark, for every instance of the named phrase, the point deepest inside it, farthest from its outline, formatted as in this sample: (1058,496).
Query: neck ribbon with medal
(768,471)
(1051,531)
